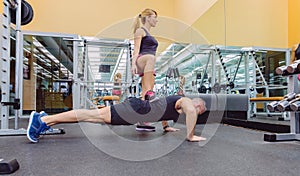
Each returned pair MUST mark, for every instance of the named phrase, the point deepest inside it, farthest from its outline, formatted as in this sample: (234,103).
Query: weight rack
(294,118)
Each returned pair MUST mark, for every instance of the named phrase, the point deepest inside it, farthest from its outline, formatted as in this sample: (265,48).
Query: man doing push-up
(128,112)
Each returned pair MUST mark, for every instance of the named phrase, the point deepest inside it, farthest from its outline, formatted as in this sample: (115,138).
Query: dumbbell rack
(294,118)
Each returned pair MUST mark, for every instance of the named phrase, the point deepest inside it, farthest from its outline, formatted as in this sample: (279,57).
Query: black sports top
(148,44)
(171,112)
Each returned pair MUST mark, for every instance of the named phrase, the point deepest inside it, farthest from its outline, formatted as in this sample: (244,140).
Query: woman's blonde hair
(117,76)
(142,18)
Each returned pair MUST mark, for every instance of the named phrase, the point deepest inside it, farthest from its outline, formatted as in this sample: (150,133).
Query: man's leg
(82,115)
(41,122)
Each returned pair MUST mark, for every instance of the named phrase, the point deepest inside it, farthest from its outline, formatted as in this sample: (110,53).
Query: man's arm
(191,119)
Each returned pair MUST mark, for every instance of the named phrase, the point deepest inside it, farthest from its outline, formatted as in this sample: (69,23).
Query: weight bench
(220,106)
(265,99)
(110,100)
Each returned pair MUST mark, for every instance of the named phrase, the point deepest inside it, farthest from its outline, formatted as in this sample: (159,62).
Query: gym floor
(230,151)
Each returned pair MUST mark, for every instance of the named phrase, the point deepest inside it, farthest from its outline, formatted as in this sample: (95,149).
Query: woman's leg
(147,83)
(81,115)
(146,65)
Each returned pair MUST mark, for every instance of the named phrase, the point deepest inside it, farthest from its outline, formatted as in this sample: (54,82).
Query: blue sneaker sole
(29,125)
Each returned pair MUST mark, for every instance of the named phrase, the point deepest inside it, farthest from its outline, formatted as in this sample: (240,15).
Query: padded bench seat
(111,98)
(263,99)
(226,105)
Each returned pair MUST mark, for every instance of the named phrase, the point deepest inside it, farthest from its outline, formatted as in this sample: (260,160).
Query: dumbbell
(293,67)
(8,167)
(281,70)
(274,105)
(286,105)
(295,104)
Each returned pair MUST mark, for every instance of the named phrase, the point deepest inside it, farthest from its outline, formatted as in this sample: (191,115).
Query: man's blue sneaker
(48,128)
(35,127)
(43,113)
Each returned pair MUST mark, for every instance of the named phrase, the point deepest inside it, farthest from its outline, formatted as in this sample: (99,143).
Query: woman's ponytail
(137,23)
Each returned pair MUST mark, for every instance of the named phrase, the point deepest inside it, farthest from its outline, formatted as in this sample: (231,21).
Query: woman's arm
(138,35)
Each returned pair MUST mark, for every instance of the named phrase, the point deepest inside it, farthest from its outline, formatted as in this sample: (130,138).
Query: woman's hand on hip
(134,69)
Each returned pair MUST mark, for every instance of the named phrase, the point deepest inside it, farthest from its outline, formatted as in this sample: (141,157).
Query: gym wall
(1,32)
(88,18)
(293,22)
(189,11)
(248,23)
(212,23)
(266,23)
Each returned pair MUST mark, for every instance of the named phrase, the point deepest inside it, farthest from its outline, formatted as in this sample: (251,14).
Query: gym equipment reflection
(58,66)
